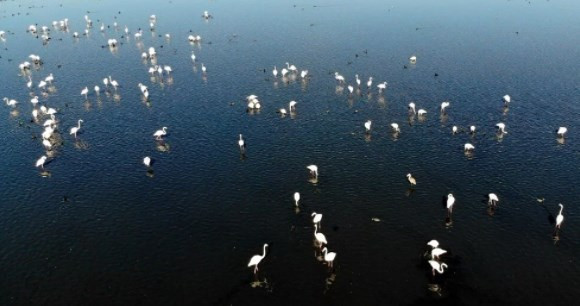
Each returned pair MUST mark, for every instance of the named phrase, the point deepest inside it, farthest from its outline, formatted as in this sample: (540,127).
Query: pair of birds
(436,252)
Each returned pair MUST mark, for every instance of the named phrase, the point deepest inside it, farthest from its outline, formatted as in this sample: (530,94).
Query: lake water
(101,229)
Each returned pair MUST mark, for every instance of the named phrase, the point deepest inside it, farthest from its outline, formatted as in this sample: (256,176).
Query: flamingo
(320,238)
(203,69)
(421,112)
(275,72)
(507,99)
(382,86)
(395,127)
(350,89)
(160,133)
(147,161)
(329,256)
(292,105)
(433,243)
(40,162)
(291,68)
(339,78)
(454,129)
(562,131)
(472,129)
(468,147)
(10,102)
(242,143)
(316,218)
(313,170)
(357,80)
(75,130)
(501,127)
(492,199)
(368,126)
(412,107)
(411,179)
(436,252)
(444,105)
(192,56)
(296,198)
(369,82)
(85,92)
(303,73)
(560,217)
(436,266)
(450,202)
(413,59)
(256,259)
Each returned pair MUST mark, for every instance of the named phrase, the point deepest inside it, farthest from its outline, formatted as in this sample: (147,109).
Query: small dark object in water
(64,198)
(404,66)
(436,74)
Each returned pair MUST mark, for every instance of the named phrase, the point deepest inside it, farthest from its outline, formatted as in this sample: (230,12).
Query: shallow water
(101,229)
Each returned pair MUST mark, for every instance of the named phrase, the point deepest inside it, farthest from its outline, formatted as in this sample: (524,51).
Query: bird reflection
(45,173)
(81,145)
(257,283)
(162,146)
(409,192)
(329,281)
(368,137)
(150,173)
(561,140)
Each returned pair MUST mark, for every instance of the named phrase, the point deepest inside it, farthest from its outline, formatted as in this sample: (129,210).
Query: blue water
(97,228)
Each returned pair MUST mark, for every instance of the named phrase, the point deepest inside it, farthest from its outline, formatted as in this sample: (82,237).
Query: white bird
(74,130)
(492,199)
(292,105)
(49,78)
(472,129)
(411,179)
(192,56)
(303,73)
(329,256)
(559,218)
(350,89)
(42,84)
(450,202)
(412,107)
(444,105)
(97,90)
(203,69)
(152,52)
(313,170)
(144,55)
(338,77)
(106,82)
(275,72)
(562,131)
(368,126)
(501,127)
(421,112)
(111,42)
(436,266)
(241,143)
(357,80)
(46,143)
(436,252)
(433,243)
(10,102)
(413,59)
(206,15)
(256,259)
(40,162)
(126,30)
(370,82)
(159,133)
(382,86)
(291,68)
(167,69)
(29,83)
(85,92)
(296,198)
(395,127)
(454,129)
(320,238)
(283,72)
(113,83)
(282,111)
(468,147)
(147,161)
(316,218)
(507,99)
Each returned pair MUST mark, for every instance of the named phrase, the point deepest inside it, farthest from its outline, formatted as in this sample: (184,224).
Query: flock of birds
(51,139)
